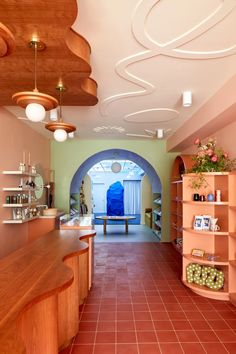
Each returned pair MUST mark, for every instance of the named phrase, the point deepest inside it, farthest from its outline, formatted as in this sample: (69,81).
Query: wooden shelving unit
(220,243)
(180,165)
(156,214)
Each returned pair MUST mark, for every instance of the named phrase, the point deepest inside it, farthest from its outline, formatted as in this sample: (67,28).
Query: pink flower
(209,152)
(226,155)
(197,141)
(214,158)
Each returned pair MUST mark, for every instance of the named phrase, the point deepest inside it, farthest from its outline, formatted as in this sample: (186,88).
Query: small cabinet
(20,197)
(219,246)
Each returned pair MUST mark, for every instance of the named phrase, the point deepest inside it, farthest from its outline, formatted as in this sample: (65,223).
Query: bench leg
(126,226)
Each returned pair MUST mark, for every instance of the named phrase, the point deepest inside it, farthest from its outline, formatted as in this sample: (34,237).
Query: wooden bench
(40,292)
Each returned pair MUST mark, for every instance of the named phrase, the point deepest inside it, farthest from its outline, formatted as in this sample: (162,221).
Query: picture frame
(198,222)
(197,252)
(206,223)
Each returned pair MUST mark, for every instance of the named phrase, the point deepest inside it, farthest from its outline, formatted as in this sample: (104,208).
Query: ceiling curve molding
(7,41)
(66,57)
(109,130)
(153,115)
(171,48)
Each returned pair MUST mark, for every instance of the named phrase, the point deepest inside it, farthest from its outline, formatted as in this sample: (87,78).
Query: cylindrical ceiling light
(160,133)
(187,98)
(35,102)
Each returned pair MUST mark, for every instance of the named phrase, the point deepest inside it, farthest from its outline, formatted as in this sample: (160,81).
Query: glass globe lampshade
(60,135)
(116,167)
(35,112)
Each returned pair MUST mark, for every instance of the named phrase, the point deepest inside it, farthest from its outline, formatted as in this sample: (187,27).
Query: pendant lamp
(35,102)
(59,128)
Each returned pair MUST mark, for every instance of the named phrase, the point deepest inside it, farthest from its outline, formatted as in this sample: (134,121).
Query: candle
(29,159)
(24,157)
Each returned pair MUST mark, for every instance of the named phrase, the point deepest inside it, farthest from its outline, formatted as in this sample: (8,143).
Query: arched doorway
(116,154)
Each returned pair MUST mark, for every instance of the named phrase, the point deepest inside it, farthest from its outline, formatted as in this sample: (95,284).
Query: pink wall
(16,137)
(225,138)
(218,112)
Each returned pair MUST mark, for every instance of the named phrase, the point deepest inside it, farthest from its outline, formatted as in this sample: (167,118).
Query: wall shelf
(220,243)
(20,209)
(17,205)
(156,214)
(20,173)
(205,203)
(206,292)
(19,221)
(180,165)
(202,260)
(206,232)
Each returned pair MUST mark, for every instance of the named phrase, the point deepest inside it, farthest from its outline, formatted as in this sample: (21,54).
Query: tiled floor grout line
(152,317)
(155,270)
(96,330)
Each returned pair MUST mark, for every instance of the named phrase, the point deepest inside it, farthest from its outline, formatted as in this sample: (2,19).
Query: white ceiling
(145,53)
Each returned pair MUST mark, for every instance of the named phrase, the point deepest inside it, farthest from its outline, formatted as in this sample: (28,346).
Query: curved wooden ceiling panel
(66,57)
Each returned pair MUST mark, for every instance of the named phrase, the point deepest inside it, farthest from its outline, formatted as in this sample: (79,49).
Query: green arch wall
(68,156)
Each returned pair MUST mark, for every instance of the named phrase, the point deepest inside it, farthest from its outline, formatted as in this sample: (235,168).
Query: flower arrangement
(209,158)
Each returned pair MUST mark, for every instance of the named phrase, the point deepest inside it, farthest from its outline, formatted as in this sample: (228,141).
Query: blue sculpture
(115,199)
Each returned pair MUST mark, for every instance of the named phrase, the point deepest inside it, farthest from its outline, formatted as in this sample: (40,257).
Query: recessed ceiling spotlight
(187,99)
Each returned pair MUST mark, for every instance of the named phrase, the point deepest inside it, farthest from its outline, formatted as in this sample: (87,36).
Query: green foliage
(197,182)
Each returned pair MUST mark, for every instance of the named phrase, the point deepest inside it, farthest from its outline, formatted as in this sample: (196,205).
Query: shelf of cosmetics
(209,197)
(19,200)
(25,213)
(27,185)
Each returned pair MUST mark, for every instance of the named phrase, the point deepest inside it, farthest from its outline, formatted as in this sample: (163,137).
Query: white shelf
(20,173)
(18,189)
(18,221)
(17,205)
(157,212)
(157,201)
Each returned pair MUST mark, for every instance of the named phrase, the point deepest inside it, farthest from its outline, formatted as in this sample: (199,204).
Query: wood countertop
(33,273)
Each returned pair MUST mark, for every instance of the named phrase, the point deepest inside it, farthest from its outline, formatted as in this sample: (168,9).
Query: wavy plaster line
(144,8)
(140,15)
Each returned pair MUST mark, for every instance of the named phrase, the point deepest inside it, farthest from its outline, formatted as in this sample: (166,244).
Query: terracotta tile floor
(138,305)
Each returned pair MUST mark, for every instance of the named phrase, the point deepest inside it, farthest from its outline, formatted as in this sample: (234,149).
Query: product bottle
(218,195)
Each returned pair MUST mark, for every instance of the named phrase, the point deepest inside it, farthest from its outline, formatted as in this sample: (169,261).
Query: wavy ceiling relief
(172,48)
(66,57)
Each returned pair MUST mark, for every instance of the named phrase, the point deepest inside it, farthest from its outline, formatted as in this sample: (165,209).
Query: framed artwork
(206,224)
(198,222)
(197,253)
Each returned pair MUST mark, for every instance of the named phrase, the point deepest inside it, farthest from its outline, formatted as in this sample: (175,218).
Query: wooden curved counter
(39,293)
(86,262)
